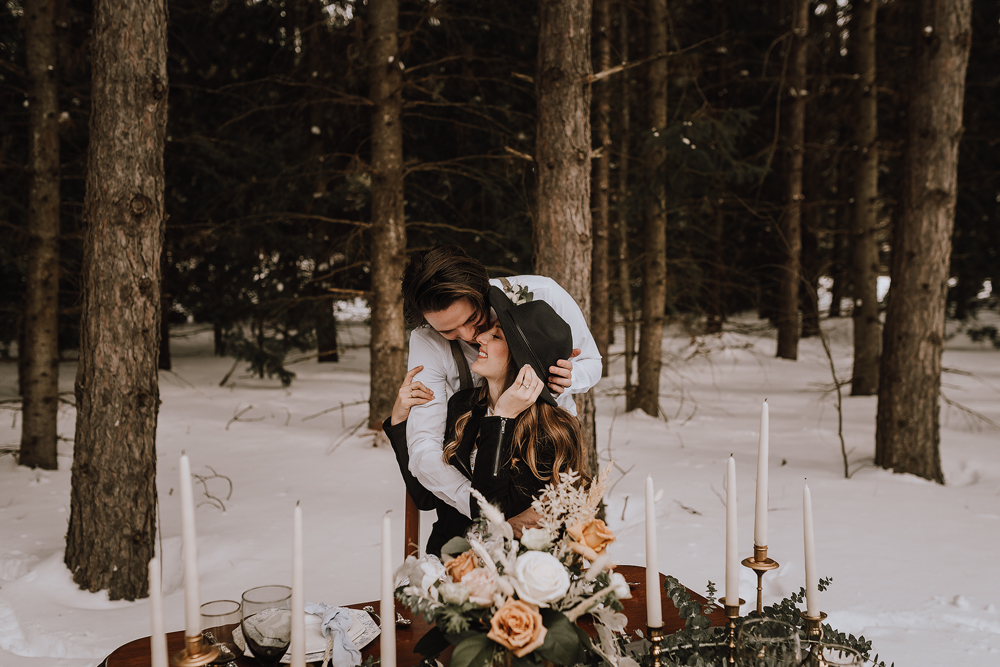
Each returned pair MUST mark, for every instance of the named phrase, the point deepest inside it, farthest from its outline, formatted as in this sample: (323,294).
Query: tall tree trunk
(715,298)
(791,220)
(40,353)
(388,347)
(864,240)
(314,20)
(600,310)
(654,269)
(562,230)
(840,272)
(166,305)
(622,209)
(112,521)
(907,427)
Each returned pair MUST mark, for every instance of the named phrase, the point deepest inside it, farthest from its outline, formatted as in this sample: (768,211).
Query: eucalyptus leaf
(474,651)
(562,644)
(456,545)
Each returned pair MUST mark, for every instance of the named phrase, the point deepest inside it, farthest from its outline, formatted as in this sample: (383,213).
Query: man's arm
(425,428)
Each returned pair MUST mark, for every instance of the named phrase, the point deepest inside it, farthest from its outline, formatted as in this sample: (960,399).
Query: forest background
(722,157)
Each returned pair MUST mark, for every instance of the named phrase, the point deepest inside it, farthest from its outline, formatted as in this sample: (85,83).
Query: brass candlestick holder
(655,637)
(814,635)
(732,613)
(195,653)
(760,564)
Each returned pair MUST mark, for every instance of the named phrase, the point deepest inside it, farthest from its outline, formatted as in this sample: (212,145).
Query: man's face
(457,321)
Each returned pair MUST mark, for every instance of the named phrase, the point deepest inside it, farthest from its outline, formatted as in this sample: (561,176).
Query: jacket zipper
(496,459)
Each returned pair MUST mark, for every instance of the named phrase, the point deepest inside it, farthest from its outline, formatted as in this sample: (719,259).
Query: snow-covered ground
(914,564)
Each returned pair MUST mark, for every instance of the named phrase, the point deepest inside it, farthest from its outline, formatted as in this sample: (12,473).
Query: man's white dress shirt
(425,426)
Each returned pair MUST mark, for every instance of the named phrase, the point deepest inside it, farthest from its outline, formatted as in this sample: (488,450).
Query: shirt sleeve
(587,366)
(425,427)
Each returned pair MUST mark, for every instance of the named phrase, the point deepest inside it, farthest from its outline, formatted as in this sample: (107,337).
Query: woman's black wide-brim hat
(535,333)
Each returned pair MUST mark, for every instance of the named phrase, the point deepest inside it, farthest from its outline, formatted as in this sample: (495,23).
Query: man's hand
(527,519)
(562,374)
(410,393)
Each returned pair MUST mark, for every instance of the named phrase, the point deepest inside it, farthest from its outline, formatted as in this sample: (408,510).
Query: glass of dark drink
(267,622)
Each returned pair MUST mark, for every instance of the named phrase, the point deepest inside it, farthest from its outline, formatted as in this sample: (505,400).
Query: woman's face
(493,354)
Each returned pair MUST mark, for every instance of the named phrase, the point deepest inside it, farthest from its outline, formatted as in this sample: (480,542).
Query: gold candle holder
(814,635)
(732,613)
(760,564)
(655,637)
(195,653)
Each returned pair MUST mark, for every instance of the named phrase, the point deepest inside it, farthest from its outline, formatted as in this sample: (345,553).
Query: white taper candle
(654,608)
(760,513)
(157,638)
(812,581)
(387,609)
(732,539)
(192,594)
(297,650)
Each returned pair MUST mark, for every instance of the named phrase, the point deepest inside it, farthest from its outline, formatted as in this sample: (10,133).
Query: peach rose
(461,565)
(481,584)
(517,626)
(591,538)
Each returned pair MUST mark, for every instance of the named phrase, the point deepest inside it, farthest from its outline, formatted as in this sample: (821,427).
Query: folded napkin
(336,625)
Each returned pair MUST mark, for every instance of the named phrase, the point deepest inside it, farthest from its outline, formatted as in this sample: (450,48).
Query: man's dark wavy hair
(435,279)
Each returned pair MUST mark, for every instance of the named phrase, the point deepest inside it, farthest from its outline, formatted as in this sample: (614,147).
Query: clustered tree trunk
(40,352)
(113,498)
(654,267)
(865,261)
(388,256)
(622,209)
(791,219)
(562,229)
(600,320)
(907,431)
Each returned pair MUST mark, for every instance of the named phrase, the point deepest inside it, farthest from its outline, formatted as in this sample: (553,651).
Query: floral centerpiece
(498,599)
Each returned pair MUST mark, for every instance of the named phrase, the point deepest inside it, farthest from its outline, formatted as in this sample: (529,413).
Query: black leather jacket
(509,486)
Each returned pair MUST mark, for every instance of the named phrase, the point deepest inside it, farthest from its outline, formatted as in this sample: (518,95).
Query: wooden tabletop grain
(136,653)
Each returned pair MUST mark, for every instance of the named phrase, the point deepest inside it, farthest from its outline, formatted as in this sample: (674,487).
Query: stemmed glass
(267,622)
(765,642)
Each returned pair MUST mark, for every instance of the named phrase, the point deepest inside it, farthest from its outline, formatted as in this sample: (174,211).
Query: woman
(507,436)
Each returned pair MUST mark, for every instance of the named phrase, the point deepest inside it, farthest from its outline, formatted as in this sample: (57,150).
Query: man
(444,297)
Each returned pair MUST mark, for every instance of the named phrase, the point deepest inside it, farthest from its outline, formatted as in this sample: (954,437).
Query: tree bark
(600,311)
(791,220)
(622,211)
(562,226)
(654,268)
(40,353)
(112,521)
(840,272)
(907,427)
(388,346)
(166,304)
(864,246)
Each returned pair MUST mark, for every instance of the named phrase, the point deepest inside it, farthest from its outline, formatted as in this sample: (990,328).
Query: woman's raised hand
(519,396)
(410,393)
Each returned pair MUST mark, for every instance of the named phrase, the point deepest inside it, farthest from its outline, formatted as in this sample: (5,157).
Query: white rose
(536,539)
(453,593)
(539,578)
(620,586)
(431,572)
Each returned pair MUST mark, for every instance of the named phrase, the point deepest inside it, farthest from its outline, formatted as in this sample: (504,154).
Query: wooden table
(136,653)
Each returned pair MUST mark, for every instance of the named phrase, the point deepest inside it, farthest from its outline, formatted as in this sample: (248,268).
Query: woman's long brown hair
(555,424)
